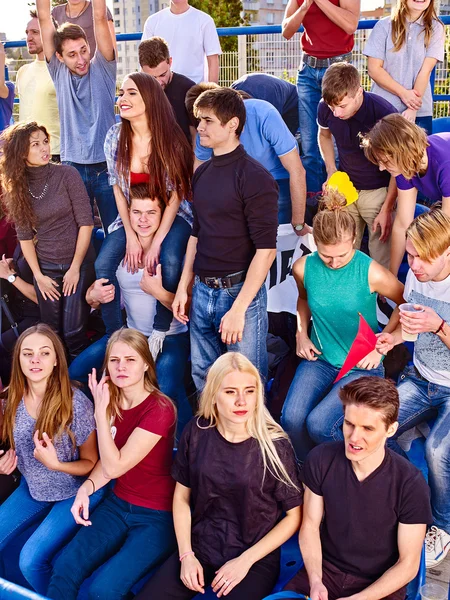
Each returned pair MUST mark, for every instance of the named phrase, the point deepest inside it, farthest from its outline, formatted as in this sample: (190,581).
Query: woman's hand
(371,361)
(410,115)
(100,393)
(230,575)
(412,99)
(8,461)
(45,452)
(47,286)
(80,507)
(305,347)
(133,254)
(192,574)
(70,281)
(152,258)
(385,343)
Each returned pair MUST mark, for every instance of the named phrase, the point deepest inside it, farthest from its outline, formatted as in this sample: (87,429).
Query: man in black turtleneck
(233,241)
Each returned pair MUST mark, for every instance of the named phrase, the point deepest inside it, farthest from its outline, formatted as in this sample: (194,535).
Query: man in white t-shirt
(424,388)
(36,89)
(192,38)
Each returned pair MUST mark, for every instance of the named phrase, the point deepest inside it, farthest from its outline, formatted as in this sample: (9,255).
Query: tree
(226,13)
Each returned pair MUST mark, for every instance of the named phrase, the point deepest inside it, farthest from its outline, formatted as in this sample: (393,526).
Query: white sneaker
(437,545)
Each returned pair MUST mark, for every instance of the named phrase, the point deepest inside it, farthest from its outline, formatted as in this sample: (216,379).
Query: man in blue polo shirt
(267,139)
(345,112)
(280,93)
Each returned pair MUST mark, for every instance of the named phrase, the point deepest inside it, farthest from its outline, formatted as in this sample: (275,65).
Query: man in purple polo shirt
(344,112)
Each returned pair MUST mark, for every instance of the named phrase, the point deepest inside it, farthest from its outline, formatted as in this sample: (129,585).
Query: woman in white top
(403,50)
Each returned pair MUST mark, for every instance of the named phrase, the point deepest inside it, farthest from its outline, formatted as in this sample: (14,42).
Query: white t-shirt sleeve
(211,43)
(149,28)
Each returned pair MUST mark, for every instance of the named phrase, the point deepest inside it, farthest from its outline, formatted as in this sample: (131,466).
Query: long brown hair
(56,411)
(399,20)
(171,156)
(136,340)
(13,176)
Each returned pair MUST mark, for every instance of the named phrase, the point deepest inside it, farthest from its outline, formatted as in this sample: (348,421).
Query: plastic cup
(433,591)
(409,308)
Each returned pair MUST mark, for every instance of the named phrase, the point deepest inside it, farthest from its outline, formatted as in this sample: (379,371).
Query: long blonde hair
(136,340)
(399,21)
(394,138)
(260,426)
(333,223)
(56,410)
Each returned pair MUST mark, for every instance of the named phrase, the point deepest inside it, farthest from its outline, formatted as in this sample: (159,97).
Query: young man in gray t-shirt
(85,90)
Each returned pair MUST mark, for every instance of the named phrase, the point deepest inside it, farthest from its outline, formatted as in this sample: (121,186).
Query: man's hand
(420,322)
(70,281)
(101,293)
(383,220)
(371,361)
(45,452)
(179,306)
(306,229)
(5,267)
(385,343)
(410,115)
(318,591)
(412,99)
(230,575)
(152,284)
(232,326)
(305,347)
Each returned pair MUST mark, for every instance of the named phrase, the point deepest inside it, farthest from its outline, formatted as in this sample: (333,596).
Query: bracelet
(93,485)
(441,328)
(187,554)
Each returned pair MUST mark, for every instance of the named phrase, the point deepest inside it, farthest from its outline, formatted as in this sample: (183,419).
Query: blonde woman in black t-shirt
(236,477)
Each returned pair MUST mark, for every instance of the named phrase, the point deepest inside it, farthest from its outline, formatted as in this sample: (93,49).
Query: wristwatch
(299,227)
(11,278)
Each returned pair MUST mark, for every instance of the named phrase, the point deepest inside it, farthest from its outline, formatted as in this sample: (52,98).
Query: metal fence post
(242,55)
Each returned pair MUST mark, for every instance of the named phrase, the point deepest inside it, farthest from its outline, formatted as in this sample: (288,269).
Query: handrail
(248,30)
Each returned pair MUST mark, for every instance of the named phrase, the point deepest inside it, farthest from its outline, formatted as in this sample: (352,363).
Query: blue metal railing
(256,30)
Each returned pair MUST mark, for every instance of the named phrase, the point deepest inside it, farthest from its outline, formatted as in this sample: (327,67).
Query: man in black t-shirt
(365,507)
(155,60)
(233,241)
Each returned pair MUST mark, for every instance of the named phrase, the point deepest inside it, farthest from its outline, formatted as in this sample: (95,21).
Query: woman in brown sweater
(51,210)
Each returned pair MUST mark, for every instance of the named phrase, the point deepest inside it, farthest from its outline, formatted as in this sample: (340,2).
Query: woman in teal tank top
(335,284)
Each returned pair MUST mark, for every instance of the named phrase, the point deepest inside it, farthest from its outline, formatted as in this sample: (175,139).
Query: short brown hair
(33,13)
(225,103)
(193,93)
(140,191)
(68,31)
(153,51)
(374,392)
(340,80)
(430,233)
(395,138)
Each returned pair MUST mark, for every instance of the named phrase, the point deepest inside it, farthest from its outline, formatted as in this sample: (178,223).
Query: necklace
(76,16)
(44,191)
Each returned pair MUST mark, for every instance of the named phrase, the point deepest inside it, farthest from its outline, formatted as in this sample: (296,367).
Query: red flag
(364,342)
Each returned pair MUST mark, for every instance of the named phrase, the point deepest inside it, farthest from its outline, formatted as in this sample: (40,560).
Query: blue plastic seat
(441,125)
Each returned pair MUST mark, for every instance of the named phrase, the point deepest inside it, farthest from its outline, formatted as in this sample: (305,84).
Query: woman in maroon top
(132,529)
(236,476)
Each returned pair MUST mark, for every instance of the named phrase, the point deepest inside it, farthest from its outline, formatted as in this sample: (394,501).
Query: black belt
(224,282)
(320,63)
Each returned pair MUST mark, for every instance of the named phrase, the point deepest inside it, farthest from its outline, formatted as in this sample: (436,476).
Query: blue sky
(13,21)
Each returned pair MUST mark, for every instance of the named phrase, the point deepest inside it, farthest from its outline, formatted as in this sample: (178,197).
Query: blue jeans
(208,307)
(426,123)
(95,178)
(130,539)
(57,527)
(421,401)
(111,253)
(309,88)
(284,202)
(312,412)
(172,254)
